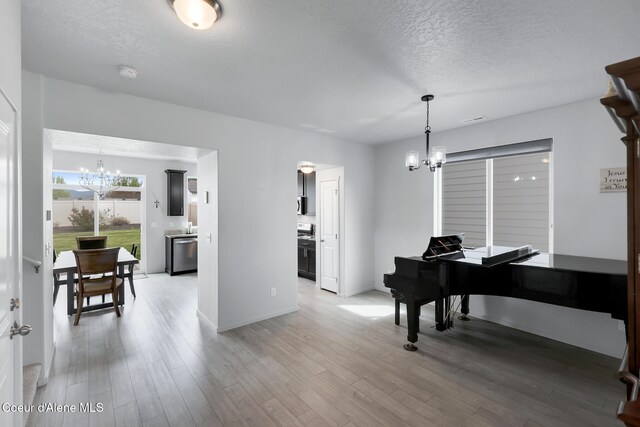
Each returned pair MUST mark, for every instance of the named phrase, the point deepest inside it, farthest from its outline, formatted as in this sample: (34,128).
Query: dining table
(66,264)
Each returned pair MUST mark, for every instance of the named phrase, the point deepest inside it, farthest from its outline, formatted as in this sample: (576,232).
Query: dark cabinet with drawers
(307,258)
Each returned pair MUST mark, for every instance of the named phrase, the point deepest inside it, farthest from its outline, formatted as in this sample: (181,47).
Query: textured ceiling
(107,145)
(354,69)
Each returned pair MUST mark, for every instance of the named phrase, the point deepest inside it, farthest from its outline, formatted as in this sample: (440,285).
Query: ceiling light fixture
(436,158)
(197,14)
(127,72)
(307,167)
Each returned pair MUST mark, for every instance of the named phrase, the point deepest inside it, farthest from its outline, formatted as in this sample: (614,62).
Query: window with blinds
(513,210)
(521,201)
(464,201)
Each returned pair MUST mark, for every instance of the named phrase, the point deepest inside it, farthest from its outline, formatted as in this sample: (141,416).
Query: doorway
(320,219)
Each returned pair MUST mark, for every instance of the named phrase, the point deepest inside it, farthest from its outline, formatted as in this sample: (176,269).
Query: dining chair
(59,279)
(92,263)
(128,274)
(91,242)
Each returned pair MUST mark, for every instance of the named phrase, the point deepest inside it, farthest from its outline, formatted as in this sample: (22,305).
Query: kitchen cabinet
(307,258)
(310,192)
(307,188)
(300,184)
(175,192)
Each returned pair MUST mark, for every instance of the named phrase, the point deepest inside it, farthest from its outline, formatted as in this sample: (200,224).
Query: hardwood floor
(336,362)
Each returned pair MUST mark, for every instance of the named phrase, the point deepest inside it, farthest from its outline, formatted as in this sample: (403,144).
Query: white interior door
(329,235)
(9,264)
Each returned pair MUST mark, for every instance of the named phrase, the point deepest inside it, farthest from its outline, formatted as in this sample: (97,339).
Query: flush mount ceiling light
(436,158)
(197,14)
(307,167)
(127,72)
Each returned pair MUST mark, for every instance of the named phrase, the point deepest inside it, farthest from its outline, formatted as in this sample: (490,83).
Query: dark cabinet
(307,258)
(300,184)
(310,192)
(175,192)
(307,188)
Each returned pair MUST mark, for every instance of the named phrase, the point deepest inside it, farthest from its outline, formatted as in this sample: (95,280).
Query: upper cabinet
(310,192)
(307,188)
(175,192)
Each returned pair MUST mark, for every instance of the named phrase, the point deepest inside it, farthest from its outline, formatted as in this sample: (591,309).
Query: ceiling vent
(474,120)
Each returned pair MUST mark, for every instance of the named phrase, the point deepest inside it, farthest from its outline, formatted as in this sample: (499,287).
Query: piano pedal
(464,317)
(410,347)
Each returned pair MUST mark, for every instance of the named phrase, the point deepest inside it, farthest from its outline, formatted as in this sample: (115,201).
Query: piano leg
(464,308)
(397,311)
(412,323)
(440,326)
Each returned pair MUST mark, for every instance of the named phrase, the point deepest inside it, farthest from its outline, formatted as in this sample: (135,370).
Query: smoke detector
(127,72)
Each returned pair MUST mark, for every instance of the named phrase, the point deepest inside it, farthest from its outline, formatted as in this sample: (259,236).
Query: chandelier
(100,181)
(438,156)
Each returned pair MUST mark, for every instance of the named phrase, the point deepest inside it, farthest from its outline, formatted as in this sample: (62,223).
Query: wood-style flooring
(337,362)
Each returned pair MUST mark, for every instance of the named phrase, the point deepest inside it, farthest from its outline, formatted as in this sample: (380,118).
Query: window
(464,201)
(499,196)
(74,208)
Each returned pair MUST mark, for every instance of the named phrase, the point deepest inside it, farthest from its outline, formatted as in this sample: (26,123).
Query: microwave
(302,205)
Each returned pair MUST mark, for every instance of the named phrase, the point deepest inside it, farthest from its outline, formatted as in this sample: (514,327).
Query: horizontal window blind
(464,201)
(521,201)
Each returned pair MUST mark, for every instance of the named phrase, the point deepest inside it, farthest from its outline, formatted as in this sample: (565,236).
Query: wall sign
(613,179)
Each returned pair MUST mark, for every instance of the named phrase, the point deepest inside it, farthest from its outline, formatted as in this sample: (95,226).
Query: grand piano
(584,283)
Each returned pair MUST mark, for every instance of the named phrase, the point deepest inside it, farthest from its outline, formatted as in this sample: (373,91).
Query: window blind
(521,201)
(464,200)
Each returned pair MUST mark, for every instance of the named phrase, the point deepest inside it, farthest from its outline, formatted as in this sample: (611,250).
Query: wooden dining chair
(59,279)
(91,242)
(92,263)
(128,274)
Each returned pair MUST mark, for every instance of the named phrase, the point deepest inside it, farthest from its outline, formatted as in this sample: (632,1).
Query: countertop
(173,236)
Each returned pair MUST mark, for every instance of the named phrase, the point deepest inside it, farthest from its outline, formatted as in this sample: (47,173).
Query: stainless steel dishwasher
(182,254)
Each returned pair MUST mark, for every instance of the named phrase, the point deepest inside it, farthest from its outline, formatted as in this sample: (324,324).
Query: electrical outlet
(171,224)
(154,225)
(273,292)
(621,325)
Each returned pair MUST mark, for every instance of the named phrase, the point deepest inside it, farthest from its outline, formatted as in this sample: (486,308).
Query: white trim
(207,321)
(567,339)
(551,218)
(437,202)
(44,376)
(489,203)
(258,319)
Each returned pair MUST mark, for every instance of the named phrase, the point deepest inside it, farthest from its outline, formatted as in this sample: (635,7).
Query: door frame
(336,173)
(15,218)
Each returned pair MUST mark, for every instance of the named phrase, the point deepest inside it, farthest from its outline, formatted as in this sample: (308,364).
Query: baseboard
(207,321)
(44,377)
(258,319)
(546,334)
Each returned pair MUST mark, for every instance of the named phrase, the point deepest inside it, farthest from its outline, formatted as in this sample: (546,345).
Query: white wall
(587,223)
(156,186)
(11,64)
(208,288)
(257,238)
(36,157)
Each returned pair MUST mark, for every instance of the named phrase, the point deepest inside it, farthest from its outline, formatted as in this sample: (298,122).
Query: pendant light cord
(427,131)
